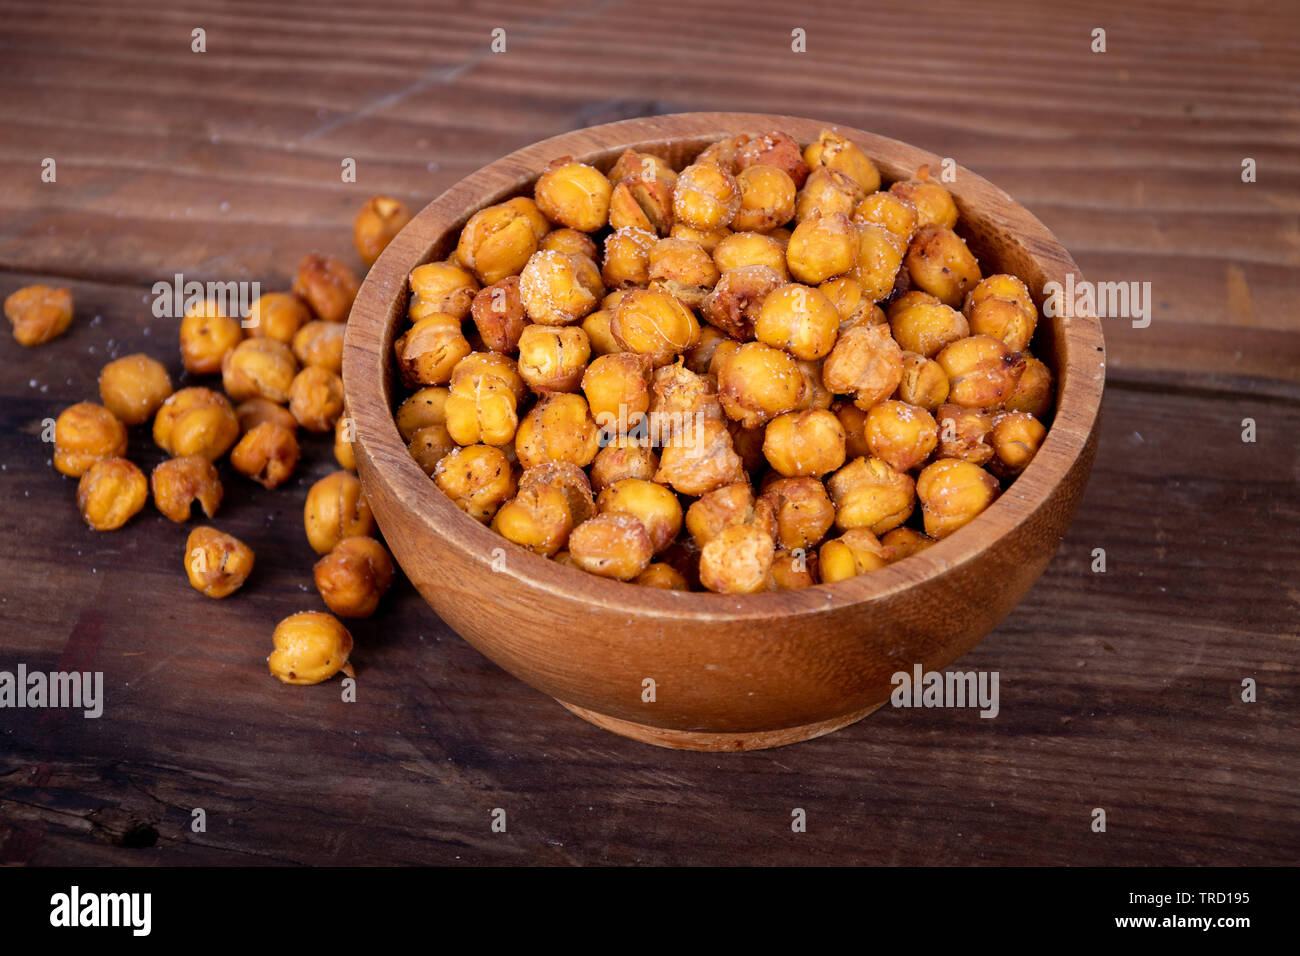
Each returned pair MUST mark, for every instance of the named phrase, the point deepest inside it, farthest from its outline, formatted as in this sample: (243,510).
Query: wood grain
(1119,690)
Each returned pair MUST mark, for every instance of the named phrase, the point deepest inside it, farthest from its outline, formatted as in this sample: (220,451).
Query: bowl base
(708,740)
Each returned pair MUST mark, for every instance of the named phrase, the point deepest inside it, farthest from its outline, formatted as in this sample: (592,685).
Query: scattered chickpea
(344,435)
(952,493)
(738,560)
(278,316)
(478,479)
(336,509)
(901,435)
(354,576)
(316,398)
(612,545)
(574,194)
(206,335)
(38,313)
(268,454)
(310,647)
(855,552)
(196,421)
(259,368)
(379,220)
(327,285)
(806,443)
(869,494)
(320,344)
(216,563)
(255,411)
(178,482)
(111,491)
(134,387)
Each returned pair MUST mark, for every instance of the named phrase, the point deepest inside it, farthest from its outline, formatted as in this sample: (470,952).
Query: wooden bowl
(729,672)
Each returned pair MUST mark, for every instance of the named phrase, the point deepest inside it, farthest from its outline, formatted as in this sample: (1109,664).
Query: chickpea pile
(765,370)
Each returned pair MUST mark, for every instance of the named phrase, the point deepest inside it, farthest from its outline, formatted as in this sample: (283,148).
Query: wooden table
(1120,690)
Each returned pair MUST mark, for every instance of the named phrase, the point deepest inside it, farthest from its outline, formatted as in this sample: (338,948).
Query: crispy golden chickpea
(481,409)
(736,301)
(533,213)
(267,454)
(766,199)
(442,288)
(934,204)
(613,545)
(426,407)
(952,493)
(327,285)
(354,576)
(569,479)
(558,428)
(345,432)
(706,197)
(654,505)
(855,552)
(738,560)
(822,247)
(679,400)
(1016,437)
(741,249)
(134,387)
(570,241)
(662,576)
(748,443)
(478,365)
(866,363)
(623,458)
(429,445)
(792,570)
(981,371)
(206,335)
(557,288)
(574,194)
(38,313)
(845,293)
(834,152)
(627,258)
(336,509)
(924,383)
(216,563)
(259,368)
(806,443)
(497,242)
(499,316)
(905,542)
(802,512)
(316,398)
(725,507)
(310,647)
(553,358)
(900,434)
(682,269)
(598,332)
(617,388)
(880,253)
(724,153)
(178,482)
(644,166)
(700,357)
(925,327)
(757,382)
(320,344)
(889,211)
(721,355)
(1033,392)
(964,433)
(707,239)
(277,315)
(773,149)
(111,491)
(826,193)
(646,203)
(1000,306)
(799,319)
(854,421)
(430,349)
(654,323)
(196,421)
(537,518)
(379,220)
(939,263)
(868,493)
(699,459)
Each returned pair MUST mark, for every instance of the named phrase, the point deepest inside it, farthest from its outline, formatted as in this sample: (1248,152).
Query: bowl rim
(367,375)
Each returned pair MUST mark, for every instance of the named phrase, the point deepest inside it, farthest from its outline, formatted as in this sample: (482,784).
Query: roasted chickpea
(773,149)
(748,443)
(880,254)
(196,421)
(855,552)
(316,398)
(900,434)
(278,316)
(354,576)
(430,349)
(934,204)
(757,382)
(111,491)
(569,479)
(559,289)
(663,576)
(699,458)
(804,443)
(574,194)
(259,368)
(320,344)
(981,371)
(792,570)
(644,166)
(430,444)
(442,288)
(533,213)
(478,365)
(924,383)
(379,220)
(889,211)
(679,400)
(425,407)
(939,263)
(834,152)
(741,249)
(1016,437)
(481,409)
(854,422)
(345,432)
(327,285)
(206,335)
(845,294)
(798,319)
(178,482)
(724,153)
(623,458)
(643,202)
(822,247)
(905,542)
(1000,306)
(654,505)
(952,493)
(868,493)
(926,327)
(613,545)
(802,511)
(618,390)
(310,647)
(725,507)
(706,239)
(558,428)
(738,560)
(216,563)
(336,509)
(736,301)
(1033,392)
(553,358)
(866,363)
(267,454)
(598,332)
(766,199)
(682,269)
(654,323)
(39,313)
(537,518)
(570,241)
(826,193)
(134,387)
(699,358)
(496,243)
(817,395)
(627,258)
(964,433)
(706,197)
(498,312)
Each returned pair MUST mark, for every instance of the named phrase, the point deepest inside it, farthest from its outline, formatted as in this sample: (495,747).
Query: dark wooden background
(1119,690)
